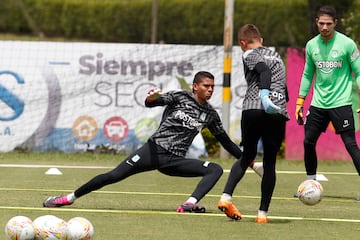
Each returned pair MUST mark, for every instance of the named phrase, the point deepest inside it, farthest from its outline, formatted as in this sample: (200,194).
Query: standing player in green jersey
(333,58)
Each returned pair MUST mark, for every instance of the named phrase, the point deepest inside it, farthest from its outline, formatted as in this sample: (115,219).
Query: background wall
(74,96)
(330,145)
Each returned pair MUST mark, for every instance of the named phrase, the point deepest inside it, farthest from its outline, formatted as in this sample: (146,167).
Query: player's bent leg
(212,174)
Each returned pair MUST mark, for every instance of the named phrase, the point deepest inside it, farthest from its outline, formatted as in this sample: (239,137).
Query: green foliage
(211,143)
(350,22)
(11,18)
(281,153)
(194,22)
(283,23)
(179,21)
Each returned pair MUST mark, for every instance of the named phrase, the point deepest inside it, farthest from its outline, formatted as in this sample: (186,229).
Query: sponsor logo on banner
(116,129)
(85,128)
(145,127)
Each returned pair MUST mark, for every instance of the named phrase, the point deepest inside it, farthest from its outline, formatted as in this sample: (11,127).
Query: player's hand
(153,94)
(358,110)
(268,105)
(299,115)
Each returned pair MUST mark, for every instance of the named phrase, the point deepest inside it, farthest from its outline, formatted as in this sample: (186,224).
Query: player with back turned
(332,58)
(186,113)
(264,116)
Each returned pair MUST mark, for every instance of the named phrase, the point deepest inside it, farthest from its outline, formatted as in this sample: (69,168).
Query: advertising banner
(70,97)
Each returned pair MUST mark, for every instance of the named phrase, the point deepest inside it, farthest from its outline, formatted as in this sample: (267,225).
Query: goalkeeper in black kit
(186,113)
(264,116)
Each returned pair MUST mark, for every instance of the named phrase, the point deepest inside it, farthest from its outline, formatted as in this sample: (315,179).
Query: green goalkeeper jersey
(333,63)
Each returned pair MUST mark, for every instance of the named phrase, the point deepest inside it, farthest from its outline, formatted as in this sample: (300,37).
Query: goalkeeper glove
(153,94)
(268,105)
(299,110)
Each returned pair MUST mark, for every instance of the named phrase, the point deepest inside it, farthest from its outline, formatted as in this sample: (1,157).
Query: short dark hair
(249,32)
(202,74)
(327,10)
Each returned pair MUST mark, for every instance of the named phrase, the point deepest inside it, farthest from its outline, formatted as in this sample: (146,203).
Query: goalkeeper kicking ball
(310,192)
(20,228)
(79,228)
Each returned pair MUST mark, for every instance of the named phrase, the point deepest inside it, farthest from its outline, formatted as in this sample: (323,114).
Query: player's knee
(309,144)
(215,169)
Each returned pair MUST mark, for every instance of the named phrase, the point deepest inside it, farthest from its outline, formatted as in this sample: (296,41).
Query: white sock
(261,212)
(71,197)
(311,177)
(191,200)
(226,197)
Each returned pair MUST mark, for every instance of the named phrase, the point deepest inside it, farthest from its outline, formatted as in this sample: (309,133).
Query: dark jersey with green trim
(278,89)
(182,120)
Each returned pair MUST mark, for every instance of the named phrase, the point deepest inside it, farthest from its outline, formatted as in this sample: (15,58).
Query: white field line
(51,166)
(143,212)
(131,193)
(62,191)
(108,211)
(105,167)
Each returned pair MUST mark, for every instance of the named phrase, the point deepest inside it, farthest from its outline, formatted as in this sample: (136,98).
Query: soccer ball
(79,228)
(50,227)
(310,192)
(20,228)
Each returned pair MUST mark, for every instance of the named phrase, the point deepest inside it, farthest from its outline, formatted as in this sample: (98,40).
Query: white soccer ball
(79,228)
(50,227)
(20,228)
(310,192)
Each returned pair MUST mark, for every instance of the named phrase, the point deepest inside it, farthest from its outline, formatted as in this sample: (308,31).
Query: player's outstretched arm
(229,145)
(152,95)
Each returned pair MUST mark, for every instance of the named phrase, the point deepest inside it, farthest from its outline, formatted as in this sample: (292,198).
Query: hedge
(282,22)
(351,22)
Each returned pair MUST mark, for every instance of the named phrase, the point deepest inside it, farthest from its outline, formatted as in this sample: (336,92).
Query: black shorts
(342,118)
(256,124)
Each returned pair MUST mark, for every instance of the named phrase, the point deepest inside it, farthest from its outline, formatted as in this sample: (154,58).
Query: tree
(31,23)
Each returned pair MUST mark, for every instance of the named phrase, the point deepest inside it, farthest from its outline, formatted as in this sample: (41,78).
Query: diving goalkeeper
(185,114)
